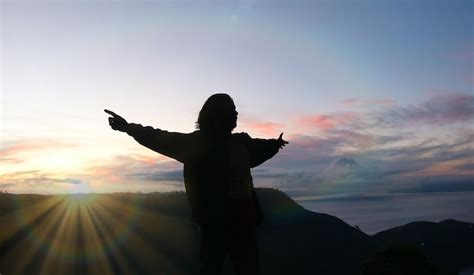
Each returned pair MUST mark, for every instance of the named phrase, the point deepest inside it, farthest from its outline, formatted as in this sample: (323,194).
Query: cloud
(373,151)
(367,103)
(43,180)
(267,129)
(466,166)
(9,161)
(328,153)
(367,159)
(72,181)
(439,184)
(326,122)
(438,111)
(343,162)
(299,179)
(137,170)
(7,185)
(420,159)
(378,133)
(122,172)
(35,178)
(160,176)
(12,148)
(20,151)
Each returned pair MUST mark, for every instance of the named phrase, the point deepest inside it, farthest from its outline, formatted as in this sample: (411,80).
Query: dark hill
(296,241)
(449,243)
(152,234)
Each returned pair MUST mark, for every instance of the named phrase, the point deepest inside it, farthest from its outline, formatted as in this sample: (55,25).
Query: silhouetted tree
(399,259)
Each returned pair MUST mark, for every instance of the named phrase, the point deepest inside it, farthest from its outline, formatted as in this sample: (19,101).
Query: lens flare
(77,228)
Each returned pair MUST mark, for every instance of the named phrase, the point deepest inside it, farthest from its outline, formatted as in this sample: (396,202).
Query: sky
(375,97)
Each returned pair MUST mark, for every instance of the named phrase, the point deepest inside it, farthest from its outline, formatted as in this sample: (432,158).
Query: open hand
(117,122)
(281,142)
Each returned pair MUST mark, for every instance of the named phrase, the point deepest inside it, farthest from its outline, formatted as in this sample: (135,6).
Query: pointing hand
(117,122)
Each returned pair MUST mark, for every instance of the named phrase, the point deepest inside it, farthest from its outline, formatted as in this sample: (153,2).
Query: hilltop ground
(152,234)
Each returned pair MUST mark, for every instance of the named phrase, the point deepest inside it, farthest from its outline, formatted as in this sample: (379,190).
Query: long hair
(217,114)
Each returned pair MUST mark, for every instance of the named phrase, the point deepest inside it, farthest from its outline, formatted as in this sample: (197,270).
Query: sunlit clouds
(382,150)
(357,150)
(364,109)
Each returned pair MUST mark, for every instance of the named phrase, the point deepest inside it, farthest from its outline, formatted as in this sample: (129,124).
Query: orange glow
(325,122)
(265,129)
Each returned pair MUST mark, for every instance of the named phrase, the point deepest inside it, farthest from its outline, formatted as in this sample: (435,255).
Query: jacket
(217,176)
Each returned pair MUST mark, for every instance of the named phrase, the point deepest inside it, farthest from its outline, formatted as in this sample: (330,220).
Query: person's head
(218,114)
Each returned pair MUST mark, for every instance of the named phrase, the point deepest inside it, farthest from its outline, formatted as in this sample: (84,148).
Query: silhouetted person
(217,180)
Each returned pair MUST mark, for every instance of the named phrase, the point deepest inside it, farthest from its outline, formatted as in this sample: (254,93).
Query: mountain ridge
(159,237)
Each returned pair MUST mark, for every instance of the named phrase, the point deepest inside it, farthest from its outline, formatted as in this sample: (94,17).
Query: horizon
(350,209)
(375,98)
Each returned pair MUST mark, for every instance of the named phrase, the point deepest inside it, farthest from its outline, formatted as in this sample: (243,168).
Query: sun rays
(88,233)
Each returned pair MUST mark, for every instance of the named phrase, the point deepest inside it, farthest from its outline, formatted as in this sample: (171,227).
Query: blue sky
(374,96)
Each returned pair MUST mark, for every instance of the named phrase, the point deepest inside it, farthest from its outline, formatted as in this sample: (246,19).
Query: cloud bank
(383,149)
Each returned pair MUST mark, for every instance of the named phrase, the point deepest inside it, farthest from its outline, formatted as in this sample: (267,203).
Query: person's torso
(217,173)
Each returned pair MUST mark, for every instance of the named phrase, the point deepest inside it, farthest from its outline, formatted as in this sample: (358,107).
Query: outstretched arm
(171,144)
(261,150)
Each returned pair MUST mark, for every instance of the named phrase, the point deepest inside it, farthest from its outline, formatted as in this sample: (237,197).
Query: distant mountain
(324,244)
(152,234)
(297,241)
(449,243)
